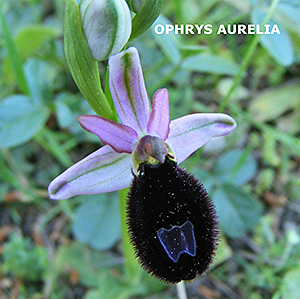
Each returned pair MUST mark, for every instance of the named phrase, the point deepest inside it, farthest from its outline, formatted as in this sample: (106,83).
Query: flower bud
(106,25)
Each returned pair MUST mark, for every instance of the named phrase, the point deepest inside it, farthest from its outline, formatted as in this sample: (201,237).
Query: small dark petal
(162,198)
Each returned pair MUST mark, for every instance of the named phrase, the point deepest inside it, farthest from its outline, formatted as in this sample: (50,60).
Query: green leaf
(145,17)
(13,54)
(97,221)
(236,168)
(169,43)
(19,255)
(40,77)
(188,50)
(293,143)
(67,108)
(237,210)
(31,38)
(274,102)
(290,285)
(83,67)
(64,114)
(278,45)
(86,261)
(207,178)
(49,141)
(109,288)
(290,10)
(206,63)
(20,120)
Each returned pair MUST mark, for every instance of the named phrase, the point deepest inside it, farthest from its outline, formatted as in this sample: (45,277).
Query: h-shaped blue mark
(178,240)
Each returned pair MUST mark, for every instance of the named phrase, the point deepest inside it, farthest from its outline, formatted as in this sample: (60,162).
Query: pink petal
(128,90)
(159,118)
(100,172)
(120,137)
(190,132)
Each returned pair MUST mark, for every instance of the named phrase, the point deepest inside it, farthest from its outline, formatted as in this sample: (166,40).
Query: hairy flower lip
(109,168)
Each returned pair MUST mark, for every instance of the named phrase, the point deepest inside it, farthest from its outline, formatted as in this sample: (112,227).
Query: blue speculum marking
(178,240)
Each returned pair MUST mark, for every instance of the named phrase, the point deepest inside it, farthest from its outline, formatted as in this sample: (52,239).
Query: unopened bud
(106,25)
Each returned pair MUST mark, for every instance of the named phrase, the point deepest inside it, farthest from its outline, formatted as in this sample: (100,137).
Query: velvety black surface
(162,197)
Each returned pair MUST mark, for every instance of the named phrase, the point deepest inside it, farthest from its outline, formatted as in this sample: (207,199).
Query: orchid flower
(171,220)
(143,135)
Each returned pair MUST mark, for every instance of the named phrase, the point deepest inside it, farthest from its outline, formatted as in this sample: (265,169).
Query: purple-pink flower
(110,168)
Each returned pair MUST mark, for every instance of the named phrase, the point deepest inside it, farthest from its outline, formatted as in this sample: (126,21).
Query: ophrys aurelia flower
(170,216)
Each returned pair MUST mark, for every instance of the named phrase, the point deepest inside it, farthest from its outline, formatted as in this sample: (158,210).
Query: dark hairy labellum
(172,222)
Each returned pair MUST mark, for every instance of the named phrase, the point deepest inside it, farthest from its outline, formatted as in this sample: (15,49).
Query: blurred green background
(62,249)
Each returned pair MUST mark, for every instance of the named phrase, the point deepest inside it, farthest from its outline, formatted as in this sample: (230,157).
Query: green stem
(247,57)
(132,268)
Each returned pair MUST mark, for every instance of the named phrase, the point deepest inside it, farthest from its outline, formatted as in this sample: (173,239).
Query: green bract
(135,5)
(147,12)
(83,67)
(106,25)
